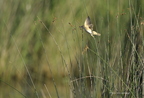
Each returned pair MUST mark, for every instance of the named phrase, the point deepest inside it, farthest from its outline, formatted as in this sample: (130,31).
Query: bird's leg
(91,34)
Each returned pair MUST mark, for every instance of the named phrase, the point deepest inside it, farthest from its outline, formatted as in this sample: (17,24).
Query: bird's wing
(88,23)
(95,33)
(91,26)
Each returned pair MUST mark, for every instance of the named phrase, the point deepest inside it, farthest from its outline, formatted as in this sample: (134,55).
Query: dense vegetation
(44,53)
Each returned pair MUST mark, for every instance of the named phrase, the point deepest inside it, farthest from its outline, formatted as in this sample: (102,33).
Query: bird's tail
(95,33)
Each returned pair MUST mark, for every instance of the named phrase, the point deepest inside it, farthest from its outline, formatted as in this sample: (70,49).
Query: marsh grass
(44,53)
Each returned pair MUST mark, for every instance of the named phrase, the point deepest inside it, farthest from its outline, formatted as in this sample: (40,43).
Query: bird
(88,27)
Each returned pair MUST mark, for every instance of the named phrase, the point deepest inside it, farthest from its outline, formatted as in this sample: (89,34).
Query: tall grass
(44,53)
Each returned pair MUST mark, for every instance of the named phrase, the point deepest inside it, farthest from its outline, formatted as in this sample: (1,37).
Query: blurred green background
(44,53)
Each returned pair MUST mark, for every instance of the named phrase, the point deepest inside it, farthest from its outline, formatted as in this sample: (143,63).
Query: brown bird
(88,27)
